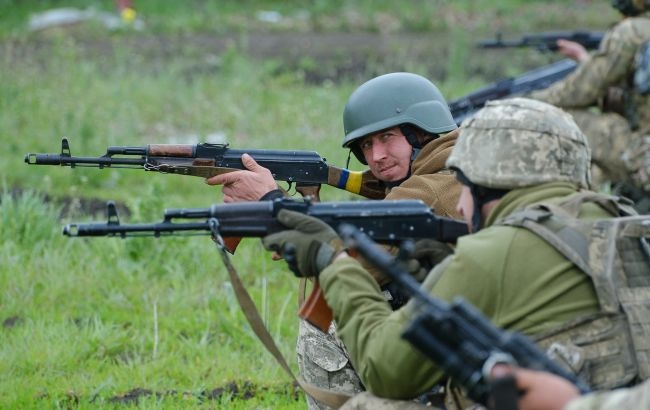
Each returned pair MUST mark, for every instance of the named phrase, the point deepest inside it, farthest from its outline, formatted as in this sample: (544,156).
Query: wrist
(272,195)
(327,254)
(341,255)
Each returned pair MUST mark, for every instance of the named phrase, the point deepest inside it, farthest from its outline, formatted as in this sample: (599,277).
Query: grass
(94,323)
(93,319)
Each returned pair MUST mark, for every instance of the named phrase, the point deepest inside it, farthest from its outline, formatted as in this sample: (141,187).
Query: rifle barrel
(66,160)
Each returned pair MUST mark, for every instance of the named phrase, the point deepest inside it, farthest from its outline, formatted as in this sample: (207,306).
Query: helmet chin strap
(412,139)
(476,215)
(480,195)
(347,163)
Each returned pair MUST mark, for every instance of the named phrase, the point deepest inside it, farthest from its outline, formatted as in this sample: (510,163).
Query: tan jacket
(430,180)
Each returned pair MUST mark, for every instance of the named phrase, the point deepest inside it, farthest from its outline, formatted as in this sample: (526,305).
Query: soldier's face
(388,154)
(465,206)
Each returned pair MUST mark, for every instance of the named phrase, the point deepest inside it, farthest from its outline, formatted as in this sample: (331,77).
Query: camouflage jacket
(636,398)
(609,68)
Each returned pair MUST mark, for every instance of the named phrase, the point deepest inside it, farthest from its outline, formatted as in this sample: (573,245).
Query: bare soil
(321,57)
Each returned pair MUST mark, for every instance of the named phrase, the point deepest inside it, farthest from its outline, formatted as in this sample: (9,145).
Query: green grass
(98,318)
(86,321)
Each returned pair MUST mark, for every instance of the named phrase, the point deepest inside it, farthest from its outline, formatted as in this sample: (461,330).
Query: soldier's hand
(428,253)
(538,390)
(571,49)
(308,247)
(249,184)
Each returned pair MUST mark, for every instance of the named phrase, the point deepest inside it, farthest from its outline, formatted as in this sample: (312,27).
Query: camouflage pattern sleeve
(609,66)
(634,398)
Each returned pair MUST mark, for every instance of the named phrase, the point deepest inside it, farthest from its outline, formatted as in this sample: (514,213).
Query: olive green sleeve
(372,333)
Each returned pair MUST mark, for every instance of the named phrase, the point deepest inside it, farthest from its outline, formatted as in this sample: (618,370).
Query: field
(153,323)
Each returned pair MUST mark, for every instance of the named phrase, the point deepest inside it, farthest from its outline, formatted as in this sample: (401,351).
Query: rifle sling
(302,291)
(330,398)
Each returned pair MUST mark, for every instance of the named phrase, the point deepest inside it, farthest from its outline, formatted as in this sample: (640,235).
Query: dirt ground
(321,56)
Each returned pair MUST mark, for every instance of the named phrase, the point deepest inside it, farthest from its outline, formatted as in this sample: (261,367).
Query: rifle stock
(389,222)
(307,169)
(456,336)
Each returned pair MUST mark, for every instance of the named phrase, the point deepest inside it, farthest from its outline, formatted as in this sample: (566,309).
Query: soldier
(511,154)
(398,124)
(619,129)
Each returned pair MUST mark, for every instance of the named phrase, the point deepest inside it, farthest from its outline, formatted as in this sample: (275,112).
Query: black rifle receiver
(387,221)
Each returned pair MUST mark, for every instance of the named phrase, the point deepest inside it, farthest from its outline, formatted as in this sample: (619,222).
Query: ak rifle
(547,41)
(536,79)
(306,169)
(456,336)
(387,221)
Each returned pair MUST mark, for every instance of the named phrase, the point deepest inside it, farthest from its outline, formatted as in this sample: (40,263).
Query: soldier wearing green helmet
(609,101)
(399,124)
(402,100)
(513,154)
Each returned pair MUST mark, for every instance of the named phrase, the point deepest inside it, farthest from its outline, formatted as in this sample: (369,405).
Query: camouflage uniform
(366,401)
(636,398)
(604,103)
(322,358)
(513,276)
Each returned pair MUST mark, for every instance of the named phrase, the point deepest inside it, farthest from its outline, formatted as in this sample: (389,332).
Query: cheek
(403,153)
(465,203)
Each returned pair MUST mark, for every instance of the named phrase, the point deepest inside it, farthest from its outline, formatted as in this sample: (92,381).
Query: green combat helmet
(519,142)
(391,100)
(631,7)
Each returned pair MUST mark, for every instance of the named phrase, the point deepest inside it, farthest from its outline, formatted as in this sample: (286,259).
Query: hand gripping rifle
(388,221)
(306,169)
(536,79)
(456,336)
(547,41)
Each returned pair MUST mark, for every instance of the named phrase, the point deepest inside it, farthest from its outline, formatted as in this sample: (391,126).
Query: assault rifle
(536,79)
(456,336)
(547,41)
(306,169)
(388,221)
